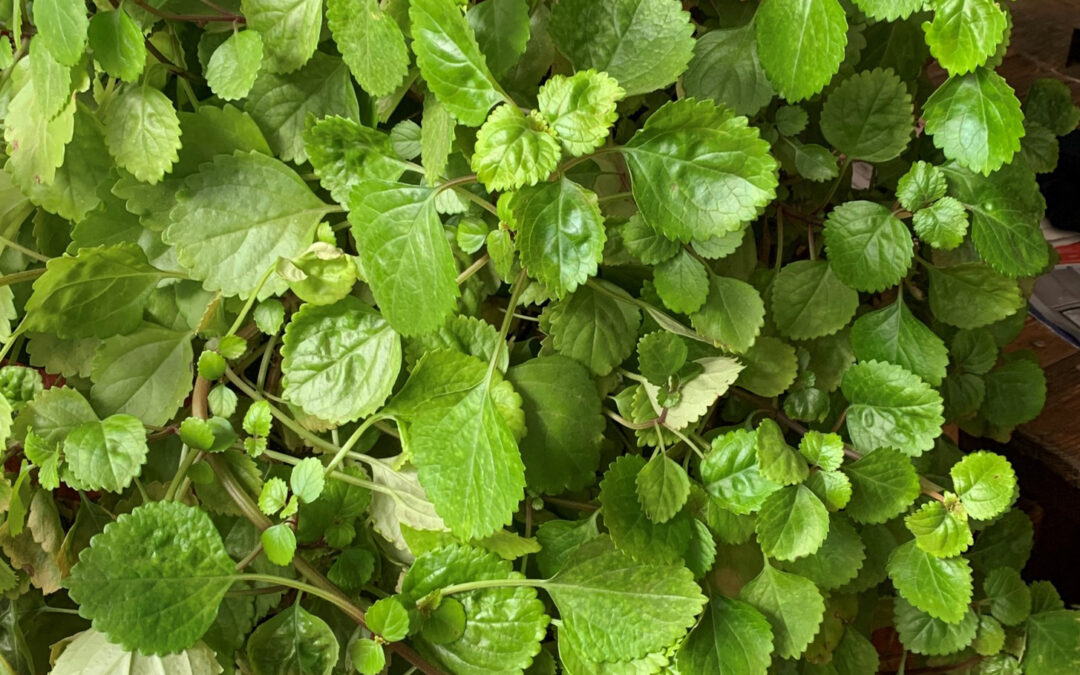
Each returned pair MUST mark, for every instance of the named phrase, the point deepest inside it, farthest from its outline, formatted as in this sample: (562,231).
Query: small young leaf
(580,109)
(792,523)
(117,43)
(370,42)
(985,483)
(232,69)
(825,450)
(306,479)
(940,528)
(279,543)
(513,150)
(662,488)
(142,132)
(273,496)
(388,618)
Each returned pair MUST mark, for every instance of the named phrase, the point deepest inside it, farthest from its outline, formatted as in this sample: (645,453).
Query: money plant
(588,336)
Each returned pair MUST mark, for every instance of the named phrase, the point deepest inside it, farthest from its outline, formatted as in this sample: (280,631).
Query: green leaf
(941,587)
(228,249)
(682,283)
(733,313)
(922,185)
(990,637)
(726,69)
(1009,596)
(117,44)
(142,132)
(91,653)
(661,355)
(895,335)
(560,233)
(891,408)
(924,634)
(1006,542)
(731,475)
(777,460)
(941,529)
(279,543)
(792,604)
(367,656)
(975,119)
(339,361)
(631,530)
(503,625)
(307,479)
(62,26)
(594,327)
(232,69)
(68,298)
(273,496)
(579,109)
(258,418)
(513,149)
(771,367)
(406,258)
(943,224)
(106,455)
(561,449)
(869,248)
(644,44)
(293,641)
(825,450)
(809,160)
(883,485)
(45,457)
(792,523)
(985,483)
(290,30)
(971,295)
(1015,392)
(153,579)
(468,463)
(1049,103)
(890,10)
(282,104)
(786,29)
(451,61)
(370,42)
(388,618)
(964,33)
(697,171)
(1052,639)
(615,609)
(344,153)
(731,637)
(837,561)
(809,300)
(36,138)
(502,32)
(146,374)
(716,375)
(662,488)
(868,116)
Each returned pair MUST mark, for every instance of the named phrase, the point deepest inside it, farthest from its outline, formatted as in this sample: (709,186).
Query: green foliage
(518,336)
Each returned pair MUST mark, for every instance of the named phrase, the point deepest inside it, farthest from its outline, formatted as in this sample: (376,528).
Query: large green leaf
(1006,208)
(153,580)
(792,523)
(513,149)
(146,373)
(792,604)
(594,327)
(289,29)
(282,104)
(68,299)
(91,653)
(733,314)
(293,641)
(971,295)
(238,213)
(891,408)
(964,33)
(451,62)
(985,483)
(941,587)
(503,626)
(1053,643)
(62,26)
(370,42)
(468,463)
(801,44)
(614,609)
(561,447)
(344,153)
(644,44)
(941,529)
(883,485)
(923,634)
(810,301)
(339,361)
(839,559)
(726,69)
(975,119)
(404,254)
(869,116)
(560,233)
(731,475)
(117,43)
(1015,392)
(869,248)
(732,637)
(697,171)
(631,530)
(106,455)
(895,335)
(682,282)
(502,32)
(1009,596)
(232,69)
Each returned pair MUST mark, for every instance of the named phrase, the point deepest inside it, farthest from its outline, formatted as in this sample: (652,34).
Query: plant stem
(350,442)
(335,475)
(289,423)
(489,583)
(477,199)
(460,180)
(19,277)
(188,458)
(29,253)
(472,269)
(251,301)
